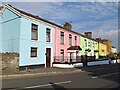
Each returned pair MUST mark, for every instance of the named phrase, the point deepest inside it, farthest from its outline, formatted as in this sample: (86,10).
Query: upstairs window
(93,45)
(102,51)
(34,32)
(75,40)
(33,51)
(88,43)
(62,37)
(48,35)
(70,39)
(85,43)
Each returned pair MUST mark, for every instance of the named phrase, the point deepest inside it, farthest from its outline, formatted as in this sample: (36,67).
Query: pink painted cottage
(66,44)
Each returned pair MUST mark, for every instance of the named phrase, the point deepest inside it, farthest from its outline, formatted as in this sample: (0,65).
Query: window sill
(33,57)
(48,42)
(34,40)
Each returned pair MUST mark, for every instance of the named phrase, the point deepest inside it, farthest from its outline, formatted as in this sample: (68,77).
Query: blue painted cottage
(29,35)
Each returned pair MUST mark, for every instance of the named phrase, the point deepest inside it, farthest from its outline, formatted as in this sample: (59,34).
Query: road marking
(105,75)
(44,85)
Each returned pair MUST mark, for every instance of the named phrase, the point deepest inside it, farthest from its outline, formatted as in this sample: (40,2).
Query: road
(105,76)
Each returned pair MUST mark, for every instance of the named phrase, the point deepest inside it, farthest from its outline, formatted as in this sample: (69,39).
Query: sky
(100,18)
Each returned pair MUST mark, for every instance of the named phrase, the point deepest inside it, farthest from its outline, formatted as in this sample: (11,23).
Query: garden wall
(10,62)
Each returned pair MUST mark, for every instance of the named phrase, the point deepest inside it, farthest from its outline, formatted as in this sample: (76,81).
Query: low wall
(10,62)
(114,61)
(97,62)
(68,65)
(118,60)
(92,63)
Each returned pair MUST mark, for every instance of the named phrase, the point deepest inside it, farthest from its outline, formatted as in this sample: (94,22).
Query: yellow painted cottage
(102,49)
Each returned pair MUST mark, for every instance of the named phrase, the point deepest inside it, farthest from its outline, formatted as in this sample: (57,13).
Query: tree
(113,56)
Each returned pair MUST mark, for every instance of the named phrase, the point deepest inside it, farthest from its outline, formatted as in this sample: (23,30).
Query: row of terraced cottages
(41,42)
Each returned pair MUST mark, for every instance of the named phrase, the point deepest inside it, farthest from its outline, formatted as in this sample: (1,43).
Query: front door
(70,57)
(48,57)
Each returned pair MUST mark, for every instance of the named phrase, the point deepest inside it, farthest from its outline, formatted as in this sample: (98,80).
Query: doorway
(48,57)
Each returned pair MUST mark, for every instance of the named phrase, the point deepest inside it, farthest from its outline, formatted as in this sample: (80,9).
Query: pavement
(41,72)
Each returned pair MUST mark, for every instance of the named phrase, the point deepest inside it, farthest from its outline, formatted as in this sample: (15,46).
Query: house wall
(58,46)
(102,47)
(10,31)
(16,37)
(0,32)
(82,45)
(109,46)
(91,47)
(26,43)
(114,50)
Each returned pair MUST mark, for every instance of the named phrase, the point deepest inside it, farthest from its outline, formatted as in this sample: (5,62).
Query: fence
(66,59)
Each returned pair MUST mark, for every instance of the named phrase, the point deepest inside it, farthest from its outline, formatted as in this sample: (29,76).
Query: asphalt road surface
(105,76)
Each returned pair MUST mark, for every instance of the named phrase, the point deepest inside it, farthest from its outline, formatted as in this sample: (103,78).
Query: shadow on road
(109,72)
(57,87)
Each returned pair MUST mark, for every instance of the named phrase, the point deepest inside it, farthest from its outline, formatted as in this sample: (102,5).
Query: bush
(113,56)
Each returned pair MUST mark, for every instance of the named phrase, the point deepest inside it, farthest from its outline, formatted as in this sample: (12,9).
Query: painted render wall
(26,43)
(16,37)
(10,31)
(0,32)
(58,46)
(114,50)
(102,47)
(91,47)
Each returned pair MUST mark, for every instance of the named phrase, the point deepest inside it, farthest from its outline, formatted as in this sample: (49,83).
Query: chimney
(88,34)
(67,26)
(98,39)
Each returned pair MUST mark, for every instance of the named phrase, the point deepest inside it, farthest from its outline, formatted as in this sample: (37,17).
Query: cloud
(100,18)
(103,33)
(96,25)
(43,9)
(111,35)
(97,8)
(70,10)
(0,3)
(60,0)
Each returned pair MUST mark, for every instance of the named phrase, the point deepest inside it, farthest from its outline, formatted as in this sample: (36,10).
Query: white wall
(114,50)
